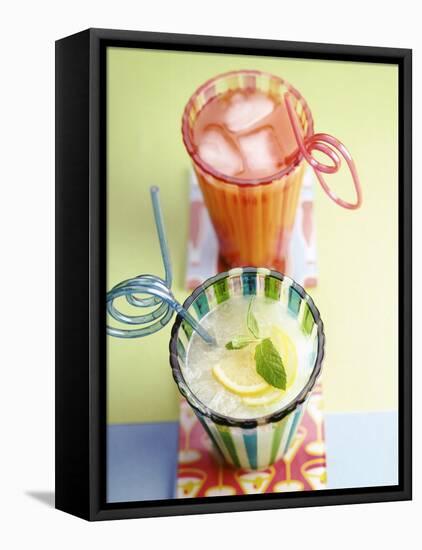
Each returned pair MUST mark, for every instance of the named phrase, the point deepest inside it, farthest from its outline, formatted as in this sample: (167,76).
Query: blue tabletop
(361,448)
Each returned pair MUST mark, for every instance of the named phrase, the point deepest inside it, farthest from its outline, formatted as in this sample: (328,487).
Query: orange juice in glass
(250,169)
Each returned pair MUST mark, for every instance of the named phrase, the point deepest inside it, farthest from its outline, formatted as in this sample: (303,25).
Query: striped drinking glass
(253,442)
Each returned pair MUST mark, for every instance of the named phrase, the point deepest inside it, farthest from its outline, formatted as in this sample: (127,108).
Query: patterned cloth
(202,473)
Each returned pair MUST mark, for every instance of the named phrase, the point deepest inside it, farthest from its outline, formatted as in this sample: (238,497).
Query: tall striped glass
(253,219)
(254,442)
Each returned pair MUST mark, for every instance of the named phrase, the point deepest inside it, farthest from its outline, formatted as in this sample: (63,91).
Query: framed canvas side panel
(405,273)
(72,413)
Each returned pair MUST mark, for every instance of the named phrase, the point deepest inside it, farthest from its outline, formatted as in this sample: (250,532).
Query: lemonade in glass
(249,390)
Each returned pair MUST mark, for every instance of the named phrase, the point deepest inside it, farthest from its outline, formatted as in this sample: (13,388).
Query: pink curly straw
(328,145)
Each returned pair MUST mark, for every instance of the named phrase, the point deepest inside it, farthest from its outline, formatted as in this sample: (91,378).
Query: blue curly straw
(158,292)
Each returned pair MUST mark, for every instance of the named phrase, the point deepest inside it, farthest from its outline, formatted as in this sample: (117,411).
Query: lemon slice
(287,351)
(265,399)
(238,374)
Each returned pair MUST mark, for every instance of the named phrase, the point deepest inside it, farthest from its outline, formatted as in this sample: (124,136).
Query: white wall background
(27,271)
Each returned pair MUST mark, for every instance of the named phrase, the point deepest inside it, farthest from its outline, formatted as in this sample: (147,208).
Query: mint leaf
(270,365)
(251,321)
(239,342)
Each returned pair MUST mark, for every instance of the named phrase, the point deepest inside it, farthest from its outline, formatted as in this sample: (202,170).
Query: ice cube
(261,150)
(244,111)
(216,150)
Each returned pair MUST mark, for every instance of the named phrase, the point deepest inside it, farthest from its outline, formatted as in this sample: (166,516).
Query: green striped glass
(253,442)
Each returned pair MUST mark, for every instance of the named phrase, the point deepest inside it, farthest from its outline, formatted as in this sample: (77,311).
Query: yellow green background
(357,250)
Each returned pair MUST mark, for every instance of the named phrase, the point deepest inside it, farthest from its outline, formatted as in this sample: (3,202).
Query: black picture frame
(80,272)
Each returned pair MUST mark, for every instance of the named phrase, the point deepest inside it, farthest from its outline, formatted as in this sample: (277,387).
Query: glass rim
(246,423)
(210,170)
